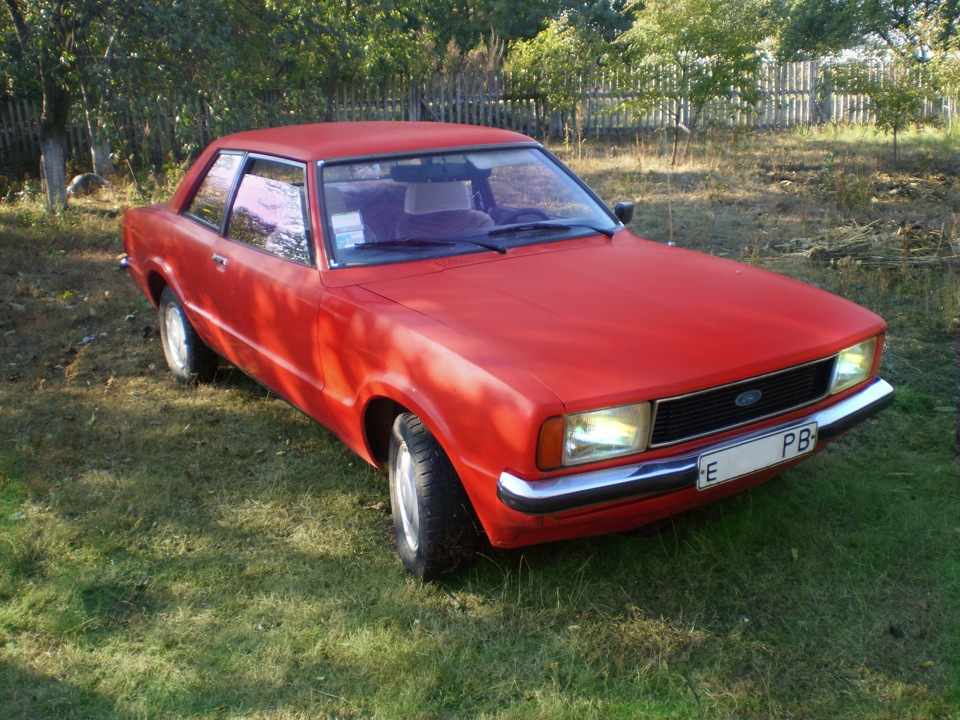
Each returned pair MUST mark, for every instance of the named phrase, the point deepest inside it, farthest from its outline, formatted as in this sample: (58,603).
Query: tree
(896,89)
(604,19)
(812,28)
(46,33)
(898,73)
(691,53)
(469,22)
(94,92)
(328,41)
(950,70)
(217,60)
(66,52)
(552,66)
(99,56)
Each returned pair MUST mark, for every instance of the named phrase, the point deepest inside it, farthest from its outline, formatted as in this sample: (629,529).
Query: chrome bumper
(574,492)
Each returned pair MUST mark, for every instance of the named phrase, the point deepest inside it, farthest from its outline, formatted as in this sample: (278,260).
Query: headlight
(593,436)
(854,365)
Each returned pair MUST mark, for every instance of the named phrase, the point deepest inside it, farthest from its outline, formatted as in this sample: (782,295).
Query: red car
(462,310)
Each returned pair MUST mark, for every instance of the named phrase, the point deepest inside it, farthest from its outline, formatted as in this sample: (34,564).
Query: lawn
(208,552)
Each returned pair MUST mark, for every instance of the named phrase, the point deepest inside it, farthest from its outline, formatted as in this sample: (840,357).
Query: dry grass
(208,552)
(754,192)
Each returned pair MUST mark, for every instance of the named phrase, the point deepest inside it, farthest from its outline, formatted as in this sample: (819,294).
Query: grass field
(209,552)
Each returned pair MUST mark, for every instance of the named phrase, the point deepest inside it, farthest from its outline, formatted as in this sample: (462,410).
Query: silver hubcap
(406,487)
(175,336)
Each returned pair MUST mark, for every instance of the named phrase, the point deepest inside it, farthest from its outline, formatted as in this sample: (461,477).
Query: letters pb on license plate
(757,454)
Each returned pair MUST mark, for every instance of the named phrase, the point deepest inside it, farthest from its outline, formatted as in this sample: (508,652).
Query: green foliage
(553,65)
(810,28)
(950,68)
(689,53)
(467,23)
(896,91)
(325,41)
(898,76)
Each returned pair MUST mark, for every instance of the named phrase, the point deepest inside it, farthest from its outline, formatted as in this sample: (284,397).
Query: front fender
(484,412)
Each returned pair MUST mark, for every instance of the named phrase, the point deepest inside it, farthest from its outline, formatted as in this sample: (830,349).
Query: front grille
(703,413)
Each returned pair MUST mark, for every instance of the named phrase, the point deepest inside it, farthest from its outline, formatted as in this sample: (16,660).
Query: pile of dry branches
(877,244)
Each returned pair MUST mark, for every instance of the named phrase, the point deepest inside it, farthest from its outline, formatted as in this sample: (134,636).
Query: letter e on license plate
(750,456)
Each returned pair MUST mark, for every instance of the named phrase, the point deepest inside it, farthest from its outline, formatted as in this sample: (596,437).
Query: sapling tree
(690,54)
(899,73)
(552,67)
(895,87)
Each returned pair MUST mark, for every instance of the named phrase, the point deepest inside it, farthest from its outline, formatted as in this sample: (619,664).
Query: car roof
(324,141)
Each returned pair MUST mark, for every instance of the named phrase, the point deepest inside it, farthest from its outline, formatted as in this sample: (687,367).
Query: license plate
(757,454)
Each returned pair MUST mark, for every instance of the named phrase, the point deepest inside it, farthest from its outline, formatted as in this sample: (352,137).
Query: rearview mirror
(624,212)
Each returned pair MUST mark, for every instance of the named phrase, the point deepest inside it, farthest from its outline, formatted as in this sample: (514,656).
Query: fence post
(813,115)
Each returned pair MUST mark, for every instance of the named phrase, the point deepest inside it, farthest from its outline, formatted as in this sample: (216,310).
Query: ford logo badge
(748,398)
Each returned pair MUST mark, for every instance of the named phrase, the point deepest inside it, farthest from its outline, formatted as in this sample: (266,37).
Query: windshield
(436,205)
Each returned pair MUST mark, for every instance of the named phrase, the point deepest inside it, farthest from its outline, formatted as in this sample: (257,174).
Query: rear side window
(268,211)
(210,202)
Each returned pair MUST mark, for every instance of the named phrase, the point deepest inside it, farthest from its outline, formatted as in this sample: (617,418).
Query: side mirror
(624,212)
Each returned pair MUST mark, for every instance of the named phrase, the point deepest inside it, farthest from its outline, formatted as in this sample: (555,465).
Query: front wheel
(190,360)
(432,516)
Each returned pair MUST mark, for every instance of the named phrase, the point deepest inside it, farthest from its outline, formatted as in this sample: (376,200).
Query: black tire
(190,360)
(434,522)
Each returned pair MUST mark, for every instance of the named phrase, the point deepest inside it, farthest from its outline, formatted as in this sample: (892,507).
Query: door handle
(219,260)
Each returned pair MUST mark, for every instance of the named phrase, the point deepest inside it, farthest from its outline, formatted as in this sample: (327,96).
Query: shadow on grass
(26,695)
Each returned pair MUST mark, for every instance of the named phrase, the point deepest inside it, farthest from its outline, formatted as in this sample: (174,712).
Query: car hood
(608,321)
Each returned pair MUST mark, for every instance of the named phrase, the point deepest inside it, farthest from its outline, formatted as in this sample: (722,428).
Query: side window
(268,211)
(210,202)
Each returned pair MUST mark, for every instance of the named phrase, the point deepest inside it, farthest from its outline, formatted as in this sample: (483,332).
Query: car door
(272,282)
(195,248)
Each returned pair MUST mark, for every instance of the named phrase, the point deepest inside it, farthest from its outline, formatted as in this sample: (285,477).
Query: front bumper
(601,487)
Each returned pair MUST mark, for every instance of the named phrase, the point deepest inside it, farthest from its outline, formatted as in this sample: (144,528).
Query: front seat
(439,210)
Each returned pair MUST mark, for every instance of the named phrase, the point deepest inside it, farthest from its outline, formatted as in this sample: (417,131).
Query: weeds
(208,552)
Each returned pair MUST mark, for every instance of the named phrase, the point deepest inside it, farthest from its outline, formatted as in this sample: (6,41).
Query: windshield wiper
(488,246)
(534,226)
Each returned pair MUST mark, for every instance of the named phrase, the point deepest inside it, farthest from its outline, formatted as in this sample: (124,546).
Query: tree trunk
(99,144)
(53,142)
(676,140)
(102,161)
(53,160)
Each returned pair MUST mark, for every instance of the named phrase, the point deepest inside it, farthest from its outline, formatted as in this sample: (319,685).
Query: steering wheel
(515,215)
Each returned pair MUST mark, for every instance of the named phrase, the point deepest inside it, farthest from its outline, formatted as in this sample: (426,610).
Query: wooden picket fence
(792,94)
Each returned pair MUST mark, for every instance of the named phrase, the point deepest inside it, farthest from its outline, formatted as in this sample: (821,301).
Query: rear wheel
(190,360)
(432,516)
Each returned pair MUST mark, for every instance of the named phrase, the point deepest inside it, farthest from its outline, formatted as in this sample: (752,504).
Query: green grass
(209,552)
